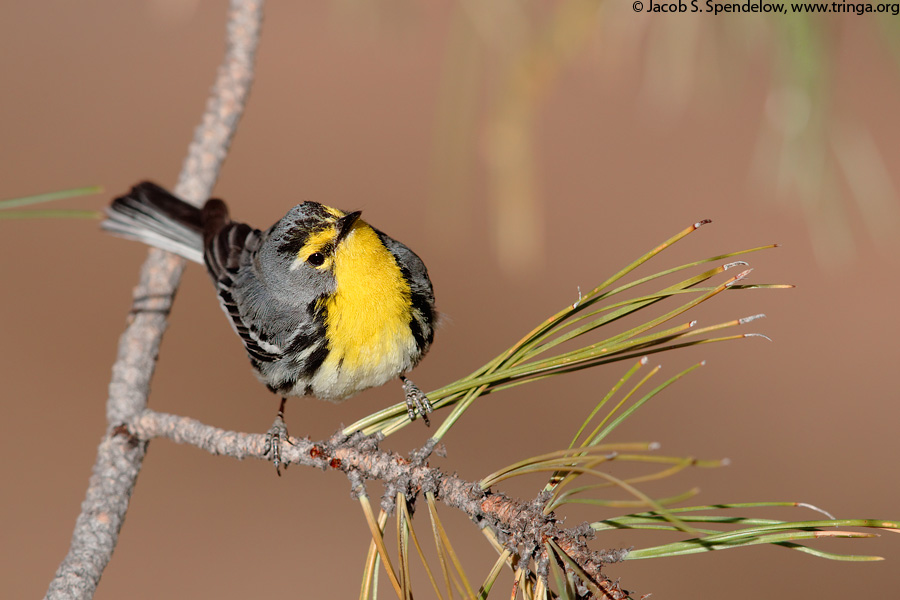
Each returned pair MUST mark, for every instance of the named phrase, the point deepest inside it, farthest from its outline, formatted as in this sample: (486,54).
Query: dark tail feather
(152,215)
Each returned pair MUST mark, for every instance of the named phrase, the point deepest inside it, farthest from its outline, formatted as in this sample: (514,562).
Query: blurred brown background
(522,152)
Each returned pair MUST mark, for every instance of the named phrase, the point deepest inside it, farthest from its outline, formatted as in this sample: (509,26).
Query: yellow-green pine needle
(594,438)
(517,366)
(403,527)
(412,531)
(615,388)
(488,584)
(562,585)
(376,527)
(787,540)
(49,197)
(51,214)
(445,540)
(585,300)
(630,410)
(624,308)
(369,587)
(444,545)
(368,579)
(669,501)
(576,568)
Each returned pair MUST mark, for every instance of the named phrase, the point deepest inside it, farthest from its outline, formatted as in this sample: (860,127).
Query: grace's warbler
(325,304)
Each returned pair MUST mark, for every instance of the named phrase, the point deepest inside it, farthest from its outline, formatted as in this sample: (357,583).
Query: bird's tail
(151,215)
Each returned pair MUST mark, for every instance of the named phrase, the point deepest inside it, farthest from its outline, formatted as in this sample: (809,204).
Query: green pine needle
(754,531)
(532,358)
(5,205)
(51,214)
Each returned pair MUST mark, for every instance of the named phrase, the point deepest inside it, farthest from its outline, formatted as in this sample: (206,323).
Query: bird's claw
(417,402)
(277,434)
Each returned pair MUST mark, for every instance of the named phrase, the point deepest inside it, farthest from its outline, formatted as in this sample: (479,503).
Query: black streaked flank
(313,330)
(260,335)
(421,305)
(315,360)
(304,339)
(313,336)
(283,387)
(250,345)
(416,331)
(316,308)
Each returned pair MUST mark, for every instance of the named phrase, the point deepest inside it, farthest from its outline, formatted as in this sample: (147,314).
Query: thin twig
(119,458)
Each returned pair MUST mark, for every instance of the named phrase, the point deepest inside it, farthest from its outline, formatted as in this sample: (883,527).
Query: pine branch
(520,525)
(118,460)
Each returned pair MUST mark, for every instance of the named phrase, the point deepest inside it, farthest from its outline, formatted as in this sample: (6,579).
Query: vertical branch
(119,459)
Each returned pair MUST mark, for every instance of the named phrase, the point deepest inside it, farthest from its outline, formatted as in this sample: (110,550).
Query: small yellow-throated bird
(325,304)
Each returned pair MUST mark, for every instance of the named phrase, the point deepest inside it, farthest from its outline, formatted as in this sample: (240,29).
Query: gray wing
(229,252)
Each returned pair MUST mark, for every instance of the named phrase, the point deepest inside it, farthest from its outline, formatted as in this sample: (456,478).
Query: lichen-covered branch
(119,459)
(521,525)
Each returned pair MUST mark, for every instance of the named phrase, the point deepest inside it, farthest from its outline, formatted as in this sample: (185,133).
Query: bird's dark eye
(316,259)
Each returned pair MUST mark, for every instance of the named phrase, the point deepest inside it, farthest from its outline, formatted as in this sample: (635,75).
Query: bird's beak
(345,224)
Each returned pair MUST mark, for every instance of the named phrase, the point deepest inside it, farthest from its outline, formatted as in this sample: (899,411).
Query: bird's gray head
(297,255)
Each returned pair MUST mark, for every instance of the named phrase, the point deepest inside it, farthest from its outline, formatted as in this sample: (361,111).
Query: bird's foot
(417,402)
(277,434)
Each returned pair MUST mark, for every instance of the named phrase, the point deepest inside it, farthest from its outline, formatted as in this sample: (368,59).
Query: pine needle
(376,527)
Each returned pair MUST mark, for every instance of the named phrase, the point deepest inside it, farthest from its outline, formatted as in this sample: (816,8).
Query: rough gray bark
(119,458)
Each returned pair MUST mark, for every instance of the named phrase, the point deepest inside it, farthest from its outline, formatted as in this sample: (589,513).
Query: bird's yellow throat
(368,315)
